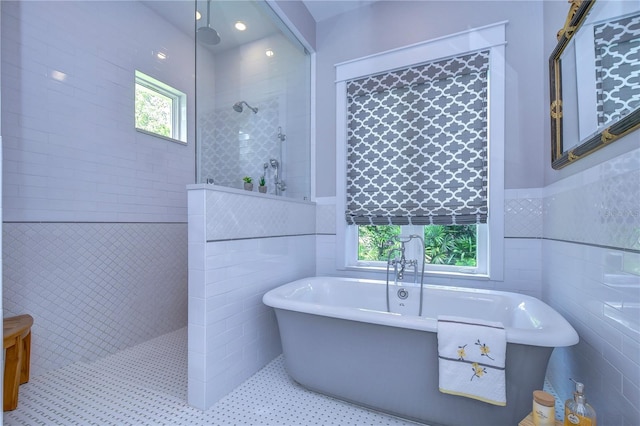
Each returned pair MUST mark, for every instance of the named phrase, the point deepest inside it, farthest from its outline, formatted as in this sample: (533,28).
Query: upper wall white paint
(387,25)
(70,149)
(298,19)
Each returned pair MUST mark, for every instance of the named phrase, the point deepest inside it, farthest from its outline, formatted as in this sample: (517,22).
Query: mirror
(594,78)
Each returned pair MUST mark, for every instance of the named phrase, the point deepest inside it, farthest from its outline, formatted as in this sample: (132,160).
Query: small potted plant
(248,183)
(262,185)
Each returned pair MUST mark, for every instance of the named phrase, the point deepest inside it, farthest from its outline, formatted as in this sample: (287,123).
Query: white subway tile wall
(232,334)
(71,152)
(326,216)
(95,244)
(591,275)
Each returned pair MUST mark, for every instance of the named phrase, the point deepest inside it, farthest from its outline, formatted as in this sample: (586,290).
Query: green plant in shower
(261,181)
(247,179)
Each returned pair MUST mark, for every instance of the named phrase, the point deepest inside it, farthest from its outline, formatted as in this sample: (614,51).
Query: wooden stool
(17,344)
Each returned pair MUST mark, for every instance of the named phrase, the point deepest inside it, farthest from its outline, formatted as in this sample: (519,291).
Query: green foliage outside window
(444,245)
(372,239)
(153,111)
(450,244)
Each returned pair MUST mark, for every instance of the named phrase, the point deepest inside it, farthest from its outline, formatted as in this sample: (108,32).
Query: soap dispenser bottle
(576,411)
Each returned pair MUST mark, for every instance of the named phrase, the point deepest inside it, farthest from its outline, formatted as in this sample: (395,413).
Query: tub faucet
(400,263)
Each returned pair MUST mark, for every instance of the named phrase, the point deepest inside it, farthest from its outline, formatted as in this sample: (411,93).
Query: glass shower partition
(252,100)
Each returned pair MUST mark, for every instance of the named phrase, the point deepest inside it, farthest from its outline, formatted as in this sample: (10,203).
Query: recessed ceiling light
(269,52)
(198,15)
(240,26)
(161,55)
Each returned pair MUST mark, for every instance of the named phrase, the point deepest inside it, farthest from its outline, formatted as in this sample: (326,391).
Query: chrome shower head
(208,35)
(238,107)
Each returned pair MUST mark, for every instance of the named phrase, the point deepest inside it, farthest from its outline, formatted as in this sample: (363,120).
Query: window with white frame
(160,109)
(415,136)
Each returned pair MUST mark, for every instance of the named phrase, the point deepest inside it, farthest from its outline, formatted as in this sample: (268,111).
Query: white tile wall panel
(611,203)
(70,143)
(591,275)
(94,288)
(236,214)
(326,215)
(237,335)
(595,307)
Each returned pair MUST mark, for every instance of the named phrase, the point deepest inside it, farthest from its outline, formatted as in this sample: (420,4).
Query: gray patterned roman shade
(417,144)
(617,45)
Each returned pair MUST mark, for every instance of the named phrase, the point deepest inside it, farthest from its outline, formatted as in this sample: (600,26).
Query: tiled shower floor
(147,385)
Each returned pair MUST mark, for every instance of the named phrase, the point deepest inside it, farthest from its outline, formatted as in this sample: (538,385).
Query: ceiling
(325,9)
(224,15)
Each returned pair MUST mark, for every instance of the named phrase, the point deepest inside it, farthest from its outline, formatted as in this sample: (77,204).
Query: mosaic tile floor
(147,385)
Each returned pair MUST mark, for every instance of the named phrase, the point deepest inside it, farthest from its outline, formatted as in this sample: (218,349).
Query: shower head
(208,35)
(238,107)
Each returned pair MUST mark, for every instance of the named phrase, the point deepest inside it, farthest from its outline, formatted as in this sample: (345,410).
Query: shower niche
(252,100)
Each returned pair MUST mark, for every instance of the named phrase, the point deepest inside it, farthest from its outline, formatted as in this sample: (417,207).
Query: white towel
(472,357)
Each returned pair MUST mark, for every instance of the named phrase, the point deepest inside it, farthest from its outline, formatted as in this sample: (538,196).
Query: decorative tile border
(233,214)
(597,207)
(523,217)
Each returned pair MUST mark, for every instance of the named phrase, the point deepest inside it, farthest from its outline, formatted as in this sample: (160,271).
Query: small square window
(160,109)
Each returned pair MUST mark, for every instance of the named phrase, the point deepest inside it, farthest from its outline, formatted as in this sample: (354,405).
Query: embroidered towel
(471,359)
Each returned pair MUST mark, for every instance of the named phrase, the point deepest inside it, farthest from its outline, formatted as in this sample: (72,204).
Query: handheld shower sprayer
(238,107)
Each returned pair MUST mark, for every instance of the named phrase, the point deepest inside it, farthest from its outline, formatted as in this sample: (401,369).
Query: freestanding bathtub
(338,339)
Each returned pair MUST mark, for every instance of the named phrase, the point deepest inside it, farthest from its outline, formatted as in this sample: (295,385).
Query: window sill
(146,132)
(432,274)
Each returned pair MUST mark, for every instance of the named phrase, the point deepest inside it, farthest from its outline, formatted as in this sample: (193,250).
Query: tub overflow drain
(403,294)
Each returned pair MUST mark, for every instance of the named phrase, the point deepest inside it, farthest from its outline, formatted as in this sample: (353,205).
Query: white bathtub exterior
(338,339)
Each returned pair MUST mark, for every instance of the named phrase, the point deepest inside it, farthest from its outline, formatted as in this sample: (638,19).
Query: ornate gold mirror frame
(561,157)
